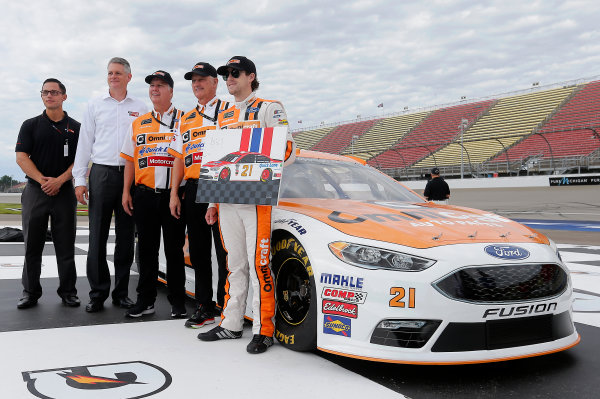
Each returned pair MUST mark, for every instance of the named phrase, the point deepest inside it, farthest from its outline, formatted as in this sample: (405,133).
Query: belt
(117,168)
(155,190)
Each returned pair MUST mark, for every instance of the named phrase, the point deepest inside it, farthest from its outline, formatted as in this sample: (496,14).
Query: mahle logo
(127,380)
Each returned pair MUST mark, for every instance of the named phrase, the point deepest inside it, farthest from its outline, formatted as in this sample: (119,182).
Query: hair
(122,61)
(254,84)
(60,85)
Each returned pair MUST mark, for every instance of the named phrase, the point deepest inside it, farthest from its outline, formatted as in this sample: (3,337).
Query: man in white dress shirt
(103,131)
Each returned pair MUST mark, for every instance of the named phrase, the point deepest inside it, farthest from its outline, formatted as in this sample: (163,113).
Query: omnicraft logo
(510,252)
(127,380)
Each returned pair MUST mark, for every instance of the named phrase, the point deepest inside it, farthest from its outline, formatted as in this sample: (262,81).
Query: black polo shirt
(44,140)
(436,189)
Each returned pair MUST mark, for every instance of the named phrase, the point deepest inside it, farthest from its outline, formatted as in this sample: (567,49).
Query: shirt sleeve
(427,193)
(24,140)
(84,145)
(127,149)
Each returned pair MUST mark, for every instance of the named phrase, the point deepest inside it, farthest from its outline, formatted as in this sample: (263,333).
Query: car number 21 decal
(399,299)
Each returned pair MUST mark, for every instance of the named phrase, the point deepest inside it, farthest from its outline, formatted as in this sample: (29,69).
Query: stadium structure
(552,129)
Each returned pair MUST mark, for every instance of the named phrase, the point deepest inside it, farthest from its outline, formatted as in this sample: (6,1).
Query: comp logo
(127,380)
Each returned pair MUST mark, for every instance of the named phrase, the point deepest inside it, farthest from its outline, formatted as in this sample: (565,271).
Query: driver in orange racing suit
(246,229)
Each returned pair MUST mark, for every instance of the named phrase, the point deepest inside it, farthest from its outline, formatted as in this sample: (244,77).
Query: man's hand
(82,195)
(175,206)
(50,185)
(127,202)
(211,216)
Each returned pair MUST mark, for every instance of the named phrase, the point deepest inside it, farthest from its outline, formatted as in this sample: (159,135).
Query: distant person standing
(436,189)
(45,152)
(103,130)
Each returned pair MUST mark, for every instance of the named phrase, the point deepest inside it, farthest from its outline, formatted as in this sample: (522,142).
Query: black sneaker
(259,344)
(178,312)
(218,333)
(138,310)
(200,318)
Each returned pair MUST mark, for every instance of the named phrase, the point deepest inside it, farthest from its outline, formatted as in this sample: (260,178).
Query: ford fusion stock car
(366,268)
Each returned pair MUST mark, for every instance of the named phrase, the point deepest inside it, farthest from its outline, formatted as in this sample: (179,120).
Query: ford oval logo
(507,252)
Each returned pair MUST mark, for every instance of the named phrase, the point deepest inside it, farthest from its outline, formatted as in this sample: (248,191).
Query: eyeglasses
(234,73)
(51,92)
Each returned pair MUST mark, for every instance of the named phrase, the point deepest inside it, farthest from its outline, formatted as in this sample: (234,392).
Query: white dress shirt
(103,130)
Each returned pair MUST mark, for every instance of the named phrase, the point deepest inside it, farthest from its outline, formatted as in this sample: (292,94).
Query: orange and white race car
(366,268)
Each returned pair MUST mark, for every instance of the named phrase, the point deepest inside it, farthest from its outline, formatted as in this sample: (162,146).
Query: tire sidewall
(302,336)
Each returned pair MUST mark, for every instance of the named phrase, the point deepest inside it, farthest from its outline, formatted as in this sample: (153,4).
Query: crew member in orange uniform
(187,147)
(246,229)
(149,165)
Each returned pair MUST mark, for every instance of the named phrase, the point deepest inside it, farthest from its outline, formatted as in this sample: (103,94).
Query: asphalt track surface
(568,215)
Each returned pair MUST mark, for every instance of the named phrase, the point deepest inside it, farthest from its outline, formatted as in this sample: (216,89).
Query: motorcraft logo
(337,325)
(344,295)
(340,308)
(511,252)
(161,161)
(127,380)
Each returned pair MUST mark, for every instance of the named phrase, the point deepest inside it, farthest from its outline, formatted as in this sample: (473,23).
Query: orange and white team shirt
(150,136)
(257,112)
(187,142)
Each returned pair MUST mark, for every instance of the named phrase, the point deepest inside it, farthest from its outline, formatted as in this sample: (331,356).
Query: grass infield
(15,209)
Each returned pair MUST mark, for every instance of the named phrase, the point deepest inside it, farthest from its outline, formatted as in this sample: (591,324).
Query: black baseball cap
(202,69)
(435,171)
(160,75)
(238,62)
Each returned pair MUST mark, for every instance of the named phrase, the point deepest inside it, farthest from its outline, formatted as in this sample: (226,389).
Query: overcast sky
(326,61)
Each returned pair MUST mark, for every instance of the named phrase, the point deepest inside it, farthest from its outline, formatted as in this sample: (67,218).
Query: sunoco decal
(510,252)
(344,295)
(128,380)
(340,308)
(336,325)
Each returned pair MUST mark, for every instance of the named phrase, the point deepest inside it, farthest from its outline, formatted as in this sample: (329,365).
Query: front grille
(507,283)
(404,337)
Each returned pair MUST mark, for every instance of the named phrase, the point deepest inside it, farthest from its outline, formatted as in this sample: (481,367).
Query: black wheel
(266,175)
(225,174)
(296,316)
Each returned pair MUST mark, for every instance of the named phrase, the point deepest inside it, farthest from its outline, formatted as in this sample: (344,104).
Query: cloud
(326,61)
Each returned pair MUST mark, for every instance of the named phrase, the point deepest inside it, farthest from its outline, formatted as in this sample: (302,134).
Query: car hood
(417,225)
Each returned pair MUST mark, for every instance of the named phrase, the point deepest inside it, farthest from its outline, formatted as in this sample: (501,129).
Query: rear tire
(296,315)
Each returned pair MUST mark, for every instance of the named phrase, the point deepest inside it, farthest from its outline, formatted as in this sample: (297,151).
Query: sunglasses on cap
(234,73)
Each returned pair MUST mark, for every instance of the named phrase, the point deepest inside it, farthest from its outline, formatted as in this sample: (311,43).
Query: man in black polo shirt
(45,152)
(436,189)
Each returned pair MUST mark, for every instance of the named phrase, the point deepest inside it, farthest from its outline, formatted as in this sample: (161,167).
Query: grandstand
(550,129)
(438,128)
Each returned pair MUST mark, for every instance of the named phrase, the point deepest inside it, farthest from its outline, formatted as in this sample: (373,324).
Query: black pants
(151,214)
(200,247)
(37,207)
(106,191)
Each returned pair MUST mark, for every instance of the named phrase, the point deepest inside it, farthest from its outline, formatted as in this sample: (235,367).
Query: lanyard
(172,120)
(58,130)
(214,119)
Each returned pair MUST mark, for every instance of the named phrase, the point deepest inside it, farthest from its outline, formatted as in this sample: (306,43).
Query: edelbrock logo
(507,252)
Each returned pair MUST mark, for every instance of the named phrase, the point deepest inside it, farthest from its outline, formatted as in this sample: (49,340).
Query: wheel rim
(265,174)
(224,174)
(293,291)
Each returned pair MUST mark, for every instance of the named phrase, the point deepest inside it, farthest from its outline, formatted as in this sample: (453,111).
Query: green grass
(15,209)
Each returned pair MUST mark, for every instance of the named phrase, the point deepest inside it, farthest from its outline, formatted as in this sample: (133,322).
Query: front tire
(296,315)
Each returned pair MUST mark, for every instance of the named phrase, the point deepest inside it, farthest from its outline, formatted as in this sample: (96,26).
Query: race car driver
(186,147)
(246,229)
(149,165)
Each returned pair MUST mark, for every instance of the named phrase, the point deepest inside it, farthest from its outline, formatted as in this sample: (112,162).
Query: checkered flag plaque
(238,192)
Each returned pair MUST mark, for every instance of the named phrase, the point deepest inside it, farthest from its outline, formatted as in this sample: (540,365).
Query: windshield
(321,178)
(230,157)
